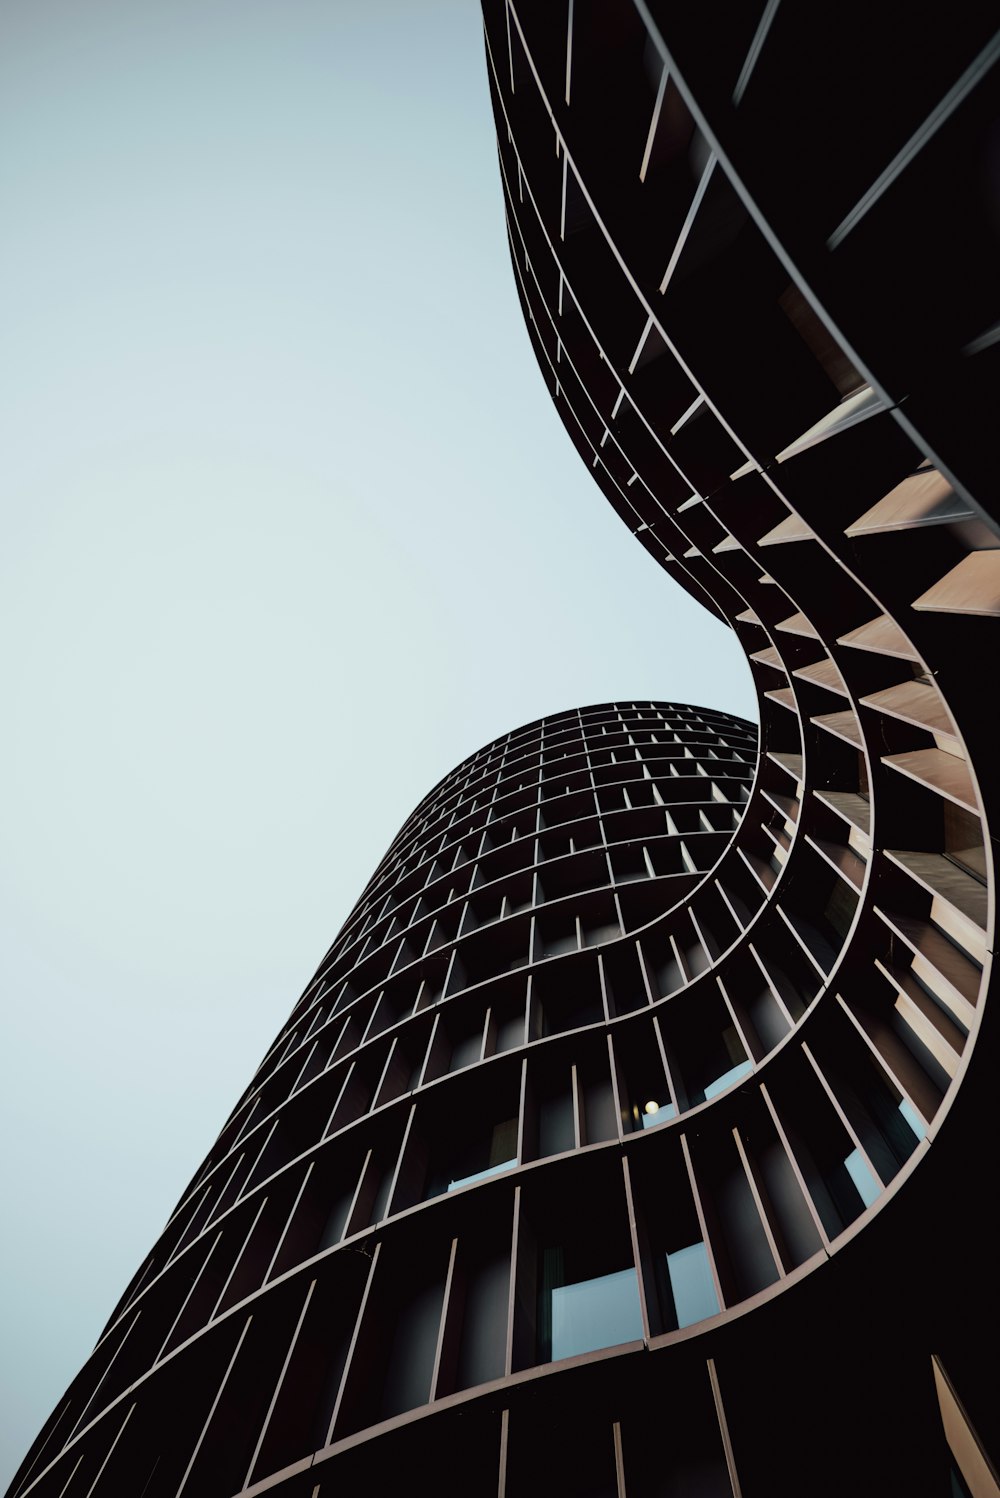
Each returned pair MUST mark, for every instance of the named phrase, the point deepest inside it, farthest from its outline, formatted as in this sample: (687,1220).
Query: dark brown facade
(634,1138)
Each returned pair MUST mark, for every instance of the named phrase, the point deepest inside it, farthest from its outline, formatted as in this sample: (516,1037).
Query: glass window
(912,1117)
(580,1312)
(654,1113)
(727,1079)
(868,1187)
(691,1284)
(501,1155)
(595,1313)
(586,1314)
(481,1175)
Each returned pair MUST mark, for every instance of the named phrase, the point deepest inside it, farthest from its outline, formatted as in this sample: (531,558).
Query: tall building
(634,1135)
(755,258)
(425,1194)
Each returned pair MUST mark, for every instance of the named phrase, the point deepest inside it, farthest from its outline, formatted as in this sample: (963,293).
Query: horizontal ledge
(973,587)
(915,702)
(790,763)
(852,409)
(945,881)
(939,771)
(850,806)
(798,624)
(882,636)
(792,528)
(842,725)
(953,978)
(823,674)
(848,864)
(924,498)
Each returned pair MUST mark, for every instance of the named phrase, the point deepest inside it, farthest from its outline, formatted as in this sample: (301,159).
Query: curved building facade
(777,359)
(633,1136)
(430,1191)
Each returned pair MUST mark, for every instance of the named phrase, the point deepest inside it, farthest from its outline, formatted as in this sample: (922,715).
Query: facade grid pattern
(632,1128)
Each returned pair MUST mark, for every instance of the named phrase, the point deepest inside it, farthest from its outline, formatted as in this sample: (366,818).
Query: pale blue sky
(290,528)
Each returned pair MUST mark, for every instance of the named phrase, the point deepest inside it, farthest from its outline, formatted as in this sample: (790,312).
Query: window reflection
(912,1117)
(691,1284)
(475,1157)
(727,1079)
(595,1313)
(501,1154)
(654,1113)
(868,1187)
(580,1315)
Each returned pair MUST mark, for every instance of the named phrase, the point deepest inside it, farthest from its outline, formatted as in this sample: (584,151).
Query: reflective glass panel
(728,1078)
(595,1313)
(868,1187)
(658,1115)
(480,1175)
(691,1284)
(913,1118)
